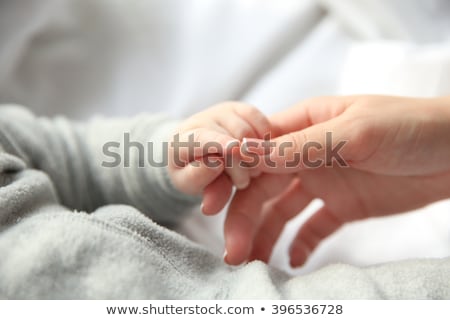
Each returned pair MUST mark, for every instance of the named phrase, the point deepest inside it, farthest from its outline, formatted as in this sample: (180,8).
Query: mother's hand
(395,159)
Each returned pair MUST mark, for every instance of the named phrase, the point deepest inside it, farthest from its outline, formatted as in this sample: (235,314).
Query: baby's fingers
(191,145)
(196,175)
(242,120)
(238,174)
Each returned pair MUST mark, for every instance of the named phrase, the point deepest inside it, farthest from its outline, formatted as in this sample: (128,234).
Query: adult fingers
(278,212)
(244,215)
(313,147)
(307,113)
(216,195)
(319,226)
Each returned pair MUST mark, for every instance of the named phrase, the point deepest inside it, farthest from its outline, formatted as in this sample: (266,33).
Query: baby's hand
(204,153)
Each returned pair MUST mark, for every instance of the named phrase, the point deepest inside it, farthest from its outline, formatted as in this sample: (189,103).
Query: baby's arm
(97,163)
(129,160)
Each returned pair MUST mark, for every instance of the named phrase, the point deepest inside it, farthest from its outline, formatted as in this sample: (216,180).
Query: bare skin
(204,170)
(396,156)
(397,151)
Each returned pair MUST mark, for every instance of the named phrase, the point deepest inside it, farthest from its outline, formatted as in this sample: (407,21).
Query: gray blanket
(71,228)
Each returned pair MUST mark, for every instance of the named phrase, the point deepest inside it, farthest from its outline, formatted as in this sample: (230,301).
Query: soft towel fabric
(69,157)
(115,252)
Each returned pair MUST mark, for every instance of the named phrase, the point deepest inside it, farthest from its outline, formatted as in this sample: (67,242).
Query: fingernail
(296,262)
(202,206)
(258,146)
(298,258)
(225,253)
(243,185)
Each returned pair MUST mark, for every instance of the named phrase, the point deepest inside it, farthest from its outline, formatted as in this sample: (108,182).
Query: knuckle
(243,131)
(244,109)
(294,142)
(254,116)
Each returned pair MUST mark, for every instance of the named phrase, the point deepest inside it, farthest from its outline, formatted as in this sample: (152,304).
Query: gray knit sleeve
(100,162)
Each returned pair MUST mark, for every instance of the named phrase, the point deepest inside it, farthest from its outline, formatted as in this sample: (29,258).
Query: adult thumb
(319,145)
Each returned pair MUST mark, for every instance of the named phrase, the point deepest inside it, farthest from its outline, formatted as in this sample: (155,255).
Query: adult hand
(395,159)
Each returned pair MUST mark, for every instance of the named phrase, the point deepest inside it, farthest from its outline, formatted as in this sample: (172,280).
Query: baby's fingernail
(298,258)
(202,206)
(296,262)
(225,253)
(258,146)
(242,185)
